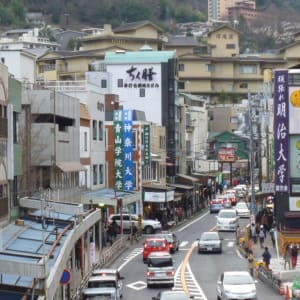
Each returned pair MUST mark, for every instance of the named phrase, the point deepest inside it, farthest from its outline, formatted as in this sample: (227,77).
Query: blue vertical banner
(118,149)
(129,182)
(281,131)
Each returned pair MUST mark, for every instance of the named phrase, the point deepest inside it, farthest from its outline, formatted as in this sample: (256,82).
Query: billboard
(226,154)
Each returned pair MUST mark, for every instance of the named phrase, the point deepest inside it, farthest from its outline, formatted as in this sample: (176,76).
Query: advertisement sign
(226,154)
(294,203)
(147,151)
(157,197)
(295,156)
(118,128)
(281,131)
(128,150)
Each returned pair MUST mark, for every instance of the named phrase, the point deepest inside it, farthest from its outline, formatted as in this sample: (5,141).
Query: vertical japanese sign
(147,151)
(128,150)
(281,131)
(118,128)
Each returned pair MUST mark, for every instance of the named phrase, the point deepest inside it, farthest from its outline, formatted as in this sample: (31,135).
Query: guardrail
(106,256)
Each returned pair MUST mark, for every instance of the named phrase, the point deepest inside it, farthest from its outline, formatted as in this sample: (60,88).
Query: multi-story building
(4,176)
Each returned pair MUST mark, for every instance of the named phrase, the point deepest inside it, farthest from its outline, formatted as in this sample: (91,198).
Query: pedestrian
(287,256)
(266,257)
(261,236)
(294,256)
(238,234)
(272,235)
(251,262)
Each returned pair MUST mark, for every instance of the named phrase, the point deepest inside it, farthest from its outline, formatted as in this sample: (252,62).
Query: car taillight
(150,274)
(170,273)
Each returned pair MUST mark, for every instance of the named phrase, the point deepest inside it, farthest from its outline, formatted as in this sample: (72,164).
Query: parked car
(103,285)
(171,239)
(236,285)
(242,209)
(227,220)
(210,241)
(148,225)
(172,295)
(160,269)
(227,202)
(215,205)
(153,244)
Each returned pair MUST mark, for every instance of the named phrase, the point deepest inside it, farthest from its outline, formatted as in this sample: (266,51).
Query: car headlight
(232,222)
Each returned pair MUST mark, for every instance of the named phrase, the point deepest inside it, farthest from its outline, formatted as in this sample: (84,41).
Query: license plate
(160,274)
(209,248)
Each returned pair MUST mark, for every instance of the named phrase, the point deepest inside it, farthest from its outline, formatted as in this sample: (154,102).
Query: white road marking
(196,220)
(138,285)
(182,244)
(130,257)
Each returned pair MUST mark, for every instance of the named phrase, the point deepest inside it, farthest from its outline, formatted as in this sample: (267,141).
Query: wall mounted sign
(281,130)
(147,150)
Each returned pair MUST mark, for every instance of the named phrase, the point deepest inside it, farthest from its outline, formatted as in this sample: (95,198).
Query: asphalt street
(202,271)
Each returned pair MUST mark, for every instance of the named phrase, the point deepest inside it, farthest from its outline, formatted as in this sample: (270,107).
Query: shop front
(158,203)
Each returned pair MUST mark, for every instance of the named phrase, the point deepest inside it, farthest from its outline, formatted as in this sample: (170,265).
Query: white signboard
(268,187)
(157,197)
(294,203)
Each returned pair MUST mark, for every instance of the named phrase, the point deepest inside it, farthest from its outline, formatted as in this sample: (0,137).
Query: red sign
(226,154)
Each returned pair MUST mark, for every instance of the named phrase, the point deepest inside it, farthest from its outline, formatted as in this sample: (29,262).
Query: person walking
(294,256)
(287,257)
(272,235)
(266,257)
(251,262)
(253,233)
(261,236)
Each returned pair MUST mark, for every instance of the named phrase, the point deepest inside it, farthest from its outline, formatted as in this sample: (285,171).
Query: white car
(242,210)
(236,285)
(227,220)
(148,225)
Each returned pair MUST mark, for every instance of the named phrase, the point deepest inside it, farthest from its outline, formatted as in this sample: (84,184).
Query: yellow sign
(295,98)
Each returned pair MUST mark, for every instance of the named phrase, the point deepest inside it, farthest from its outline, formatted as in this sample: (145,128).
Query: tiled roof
(134,25)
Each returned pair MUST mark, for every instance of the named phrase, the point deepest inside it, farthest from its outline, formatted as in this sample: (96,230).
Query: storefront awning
(193,179)
(70,166)
(181,186)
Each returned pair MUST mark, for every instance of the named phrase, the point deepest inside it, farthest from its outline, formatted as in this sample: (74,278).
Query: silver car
(227,220)
(210,241)
(160,269)
(242,209)
(236,285)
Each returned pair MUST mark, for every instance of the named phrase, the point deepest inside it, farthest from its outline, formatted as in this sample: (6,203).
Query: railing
(106,257)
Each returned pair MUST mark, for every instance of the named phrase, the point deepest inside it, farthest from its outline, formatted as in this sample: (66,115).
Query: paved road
(202,271)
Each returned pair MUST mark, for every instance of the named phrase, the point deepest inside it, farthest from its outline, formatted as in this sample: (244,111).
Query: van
(160,269)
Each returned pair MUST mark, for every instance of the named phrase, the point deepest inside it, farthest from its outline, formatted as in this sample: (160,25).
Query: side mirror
(121,277)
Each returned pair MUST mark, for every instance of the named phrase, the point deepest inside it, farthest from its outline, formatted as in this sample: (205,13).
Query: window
(3,60)
(120,82)
(181,85)
(95,179)
(103,84)
(85,141)
(134,139)
(142,93)
(211,67)
(162,142)
(181,67)
(100,128)
(230,36)
(248,69)
(230,46)
(94,130)
(244,85)
(101,174)
(218,36)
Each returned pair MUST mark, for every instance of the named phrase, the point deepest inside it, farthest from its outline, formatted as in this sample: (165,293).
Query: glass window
(101,174)
(211,67)
(181,67)
(230,46)
(85,141)
(94,130)
(120,82)
(95,179)
(100,129)
(244,85)
(248,69)
(103,84)
(142,93)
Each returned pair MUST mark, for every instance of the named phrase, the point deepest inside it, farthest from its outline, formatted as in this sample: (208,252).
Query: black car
(171,239)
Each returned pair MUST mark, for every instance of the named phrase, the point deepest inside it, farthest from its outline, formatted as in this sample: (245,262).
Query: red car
(154,244)
(231,197)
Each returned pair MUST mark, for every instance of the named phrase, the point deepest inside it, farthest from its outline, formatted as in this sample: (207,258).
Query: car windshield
(100,284)
(237,279)
(209,236)
(168,237)
(227,214)
(160,262)
(241,205)
(155,243)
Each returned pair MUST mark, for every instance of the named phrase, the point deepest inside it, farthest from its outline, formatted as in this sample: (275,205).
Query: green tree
(18,12)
